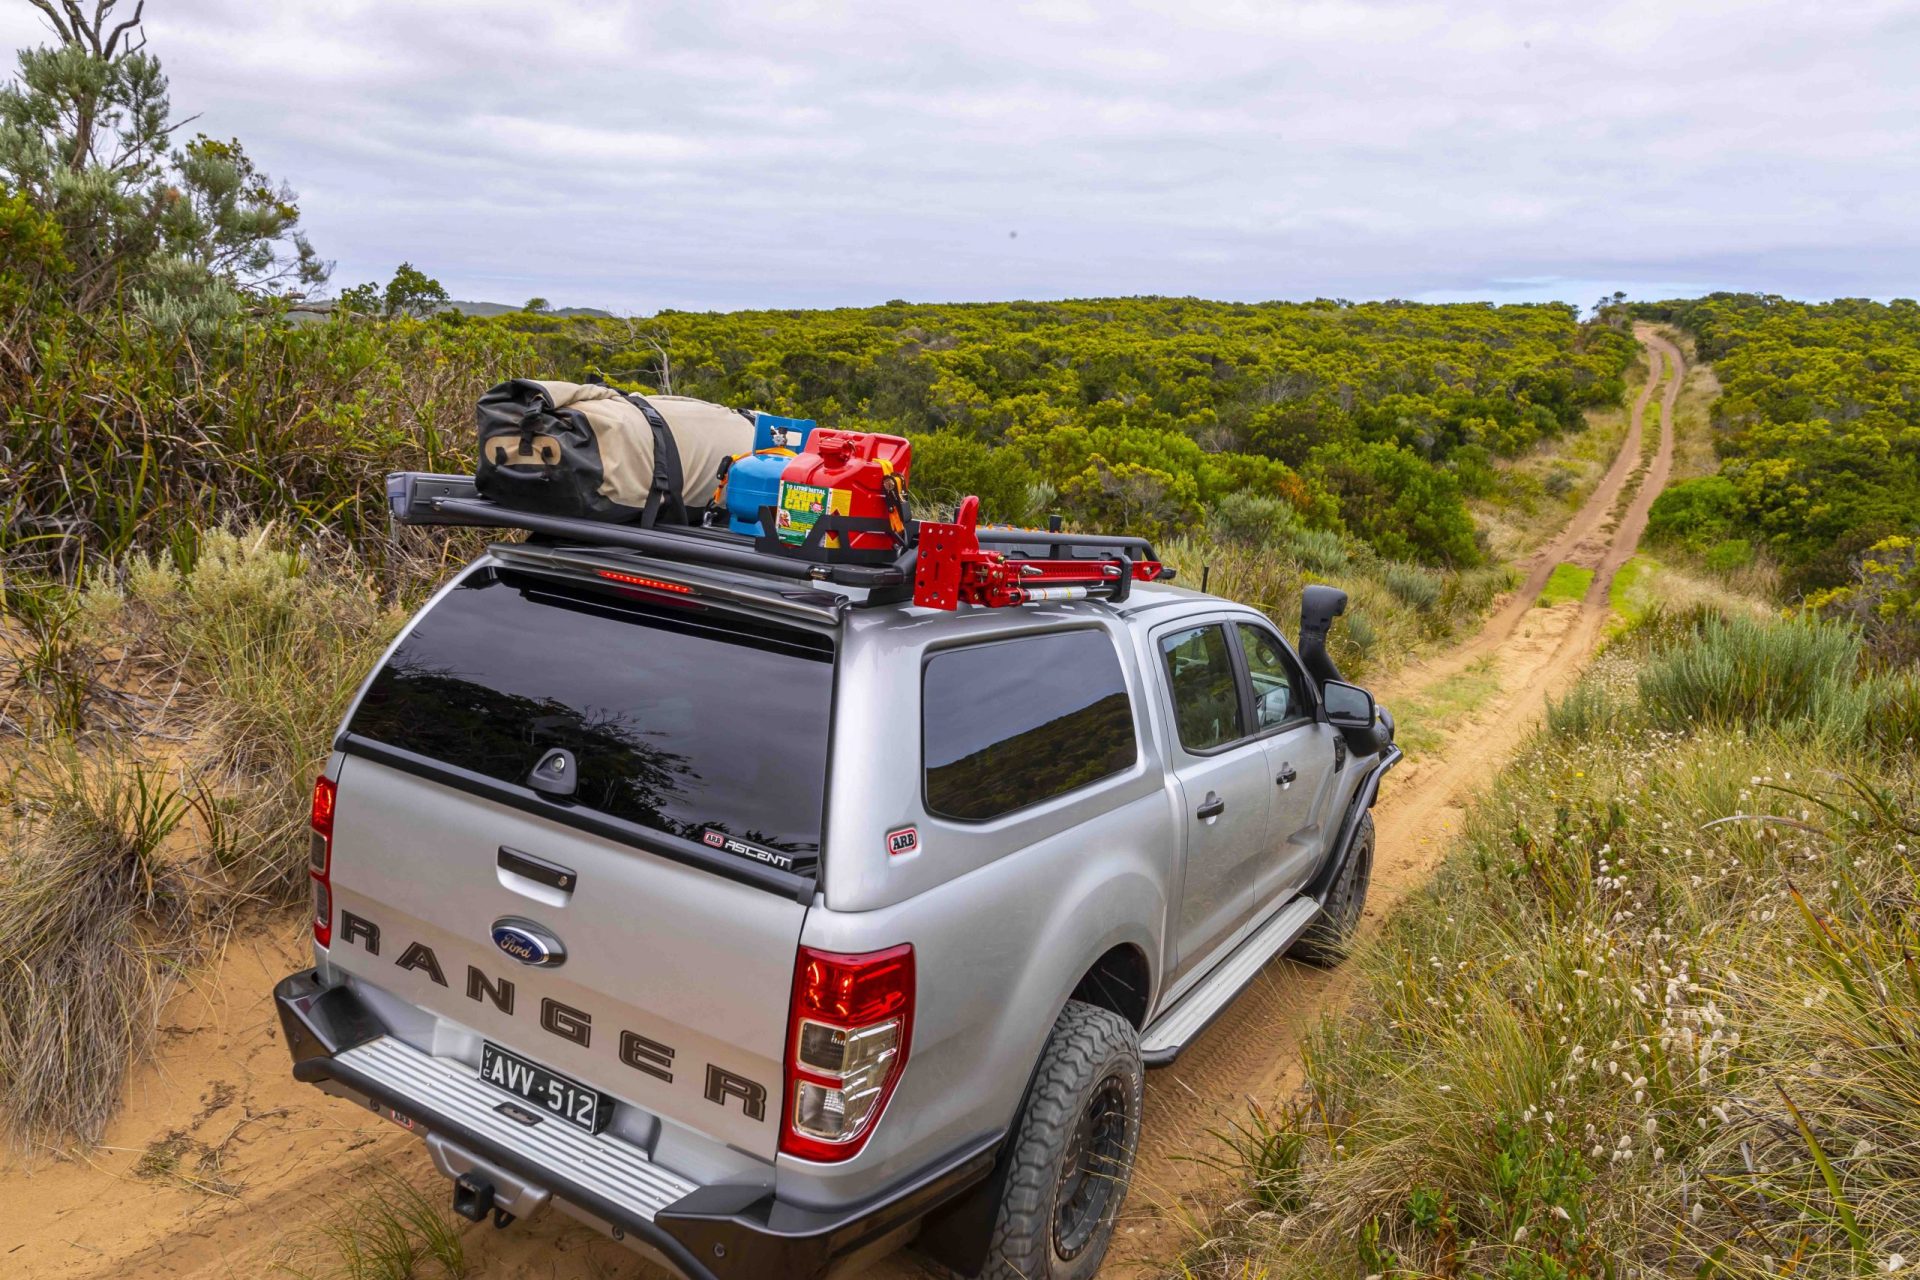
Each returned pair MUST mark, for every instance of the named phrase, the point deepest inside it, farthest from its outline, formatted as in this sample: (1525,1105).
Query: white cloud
(728,154)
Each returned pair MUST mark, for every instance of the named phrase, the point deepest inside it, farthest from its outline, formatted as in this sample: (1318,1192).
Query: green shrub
(1890,713)
(1884,599)
(1589,710)
(135,438)
(1251,518)
(1695,513)
(1411,584)
(1319,550)
(949,465)
(1727,556)
(1756,674)
(1400,504)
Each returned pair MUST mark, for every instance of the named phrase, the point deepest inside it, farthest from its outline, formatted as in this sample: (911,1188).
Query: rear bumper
(715,1232)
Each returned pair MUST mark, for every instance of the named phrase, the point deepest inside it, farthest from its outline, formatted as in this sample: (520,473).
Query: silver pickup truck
(771,916)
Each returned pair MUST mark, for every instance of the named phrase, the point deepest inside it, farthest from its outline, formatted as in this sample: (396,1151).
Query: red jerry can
(854,474)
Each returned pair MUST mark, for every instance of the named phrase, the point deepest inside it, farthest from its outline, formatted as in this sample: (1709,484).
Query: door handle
(1288,775)
(1212,807)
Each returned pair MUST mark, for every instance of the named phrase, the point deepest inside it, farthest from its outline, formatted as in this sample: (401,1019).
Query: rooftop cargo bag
(591,452)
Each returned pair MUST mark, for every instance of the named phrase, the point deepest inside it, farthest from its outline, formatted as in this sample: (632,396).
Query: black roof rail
(418,498)
(423,498)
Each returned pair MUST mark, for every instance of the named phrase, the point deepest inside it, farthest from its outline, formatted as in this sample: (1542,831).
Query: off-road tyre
(1055,1222)
(1329,939)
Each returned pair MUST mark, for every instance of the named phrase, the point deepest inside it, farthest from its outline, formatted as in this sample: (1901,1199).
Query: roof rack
(942,566)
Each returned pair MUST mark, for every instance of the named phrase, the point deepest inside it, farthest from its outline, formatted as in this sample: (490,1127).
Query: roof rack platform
(940,565)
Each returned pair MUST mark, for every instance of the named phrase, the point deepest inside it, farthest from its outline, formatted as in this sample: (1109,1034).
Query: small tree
(537,305)
(413,292)
(184,234)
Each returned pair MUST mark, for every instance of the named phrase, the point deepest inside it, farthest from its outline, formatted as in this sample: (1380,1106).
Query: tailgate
(670,880)
(674,988)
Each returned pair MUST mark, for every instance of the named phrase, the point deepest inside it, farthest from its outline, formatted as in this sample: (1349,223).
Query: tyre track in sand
(1252,1053)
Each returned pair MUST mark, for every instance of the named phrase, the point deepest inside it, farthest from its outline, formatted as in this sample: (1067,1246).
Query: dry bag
(591,452)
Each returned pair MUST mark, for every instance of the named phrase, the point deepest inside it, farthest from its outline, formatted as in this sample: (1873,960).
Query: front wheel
(1329,939)
(1073,1150)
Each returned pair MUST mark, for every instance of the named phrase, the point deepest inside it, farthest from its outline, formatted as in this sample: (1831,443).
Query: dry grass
(392,1233)
(1394,610)
(270,637)
(1658,1015)
(96,925)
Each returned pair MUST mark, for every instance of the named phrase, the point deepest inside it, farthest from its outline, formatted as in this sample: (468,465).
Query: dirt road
(221,1166)
(1253,1052)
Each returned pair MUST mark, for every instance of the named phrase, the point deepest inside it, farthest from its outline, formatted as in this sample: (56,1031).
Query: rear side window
(685,720)
(1015,722)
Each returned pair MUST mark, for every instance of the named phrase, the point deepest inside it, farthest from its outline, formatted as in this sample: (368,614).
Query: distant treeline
(1817,428)
(1143,413)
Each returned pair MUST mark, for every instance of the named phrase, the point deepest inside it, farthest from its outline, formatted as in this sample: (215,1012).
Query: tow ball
(473,1200)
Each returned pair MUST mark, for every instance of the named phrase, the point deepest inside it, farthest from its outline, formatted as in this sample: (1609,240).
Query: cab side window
(1012,723)
(1278,693)
(1206,696)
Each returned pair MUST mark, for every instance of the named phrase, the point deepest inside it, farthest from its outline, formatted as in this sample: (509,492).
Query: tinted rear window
(1015,722)
(683,720)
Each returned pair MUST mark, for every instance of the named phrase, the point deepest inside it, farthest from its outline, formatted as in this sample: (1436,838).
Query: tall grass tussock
(97,923)
(1657,1015)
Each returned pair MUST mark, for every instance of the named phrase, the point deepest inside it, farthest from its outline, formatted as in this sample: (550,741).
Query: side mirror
(1348,705)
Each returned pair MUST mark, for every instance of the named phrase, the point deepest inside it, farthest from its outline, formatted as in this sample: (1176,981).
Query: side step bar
(1175,1029)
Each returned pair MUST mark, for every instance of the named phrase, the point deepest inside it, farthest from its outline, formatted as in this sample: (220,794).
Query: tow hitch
(473,1200)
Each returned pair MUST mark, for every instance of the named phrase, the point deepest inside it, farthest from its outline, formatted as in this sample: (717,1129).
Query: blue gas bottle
(753,479)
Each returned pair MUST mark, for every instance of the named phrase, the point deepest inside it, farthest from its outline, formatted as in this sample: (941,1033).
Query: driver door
(1299,754)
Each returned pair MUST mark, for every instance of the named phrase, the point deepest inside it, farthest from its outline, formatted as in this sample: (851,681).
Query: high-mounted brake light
(847,1039)
(651,584)
(320,858)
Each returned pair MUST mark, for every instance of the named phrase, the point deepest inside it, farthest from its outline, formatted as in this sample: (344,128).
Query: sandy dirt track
(1252,1054)
(221,1164)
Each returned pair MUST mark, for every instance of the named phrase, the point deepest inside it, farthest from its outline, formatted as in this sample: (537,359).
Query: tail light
(847,1040)
(320,859)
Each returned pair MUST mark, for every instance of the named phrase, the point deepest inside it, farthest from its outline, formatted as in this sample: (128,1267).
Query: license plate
(548,1090)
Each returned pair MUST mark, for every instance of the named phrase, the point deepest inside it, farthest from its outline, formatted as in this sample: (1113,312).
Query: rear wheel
(1329,939)
(1073,1150)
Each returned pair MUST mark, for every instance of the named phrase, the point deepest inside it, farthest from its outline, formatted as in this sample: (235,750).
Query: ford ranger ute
(770,914)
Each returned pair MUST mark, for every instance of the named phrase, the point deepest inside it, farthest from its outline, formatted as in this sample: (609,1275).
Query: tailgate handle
(551,874)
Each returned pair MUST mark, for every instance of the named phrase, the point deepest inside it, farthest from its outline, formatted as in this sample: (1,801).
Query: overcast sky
(636,156)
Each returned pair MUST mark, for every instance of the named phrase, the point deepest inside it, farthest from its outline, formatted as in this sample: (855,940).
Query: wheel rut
(1252,1054)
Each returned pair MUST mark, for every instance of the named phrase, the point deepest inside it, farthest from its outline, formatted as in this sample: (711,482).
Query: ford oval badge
(528,943)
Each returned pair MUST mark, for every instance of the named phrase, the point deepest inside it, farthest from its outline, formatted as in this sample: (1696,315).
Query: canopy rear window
(683,719)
